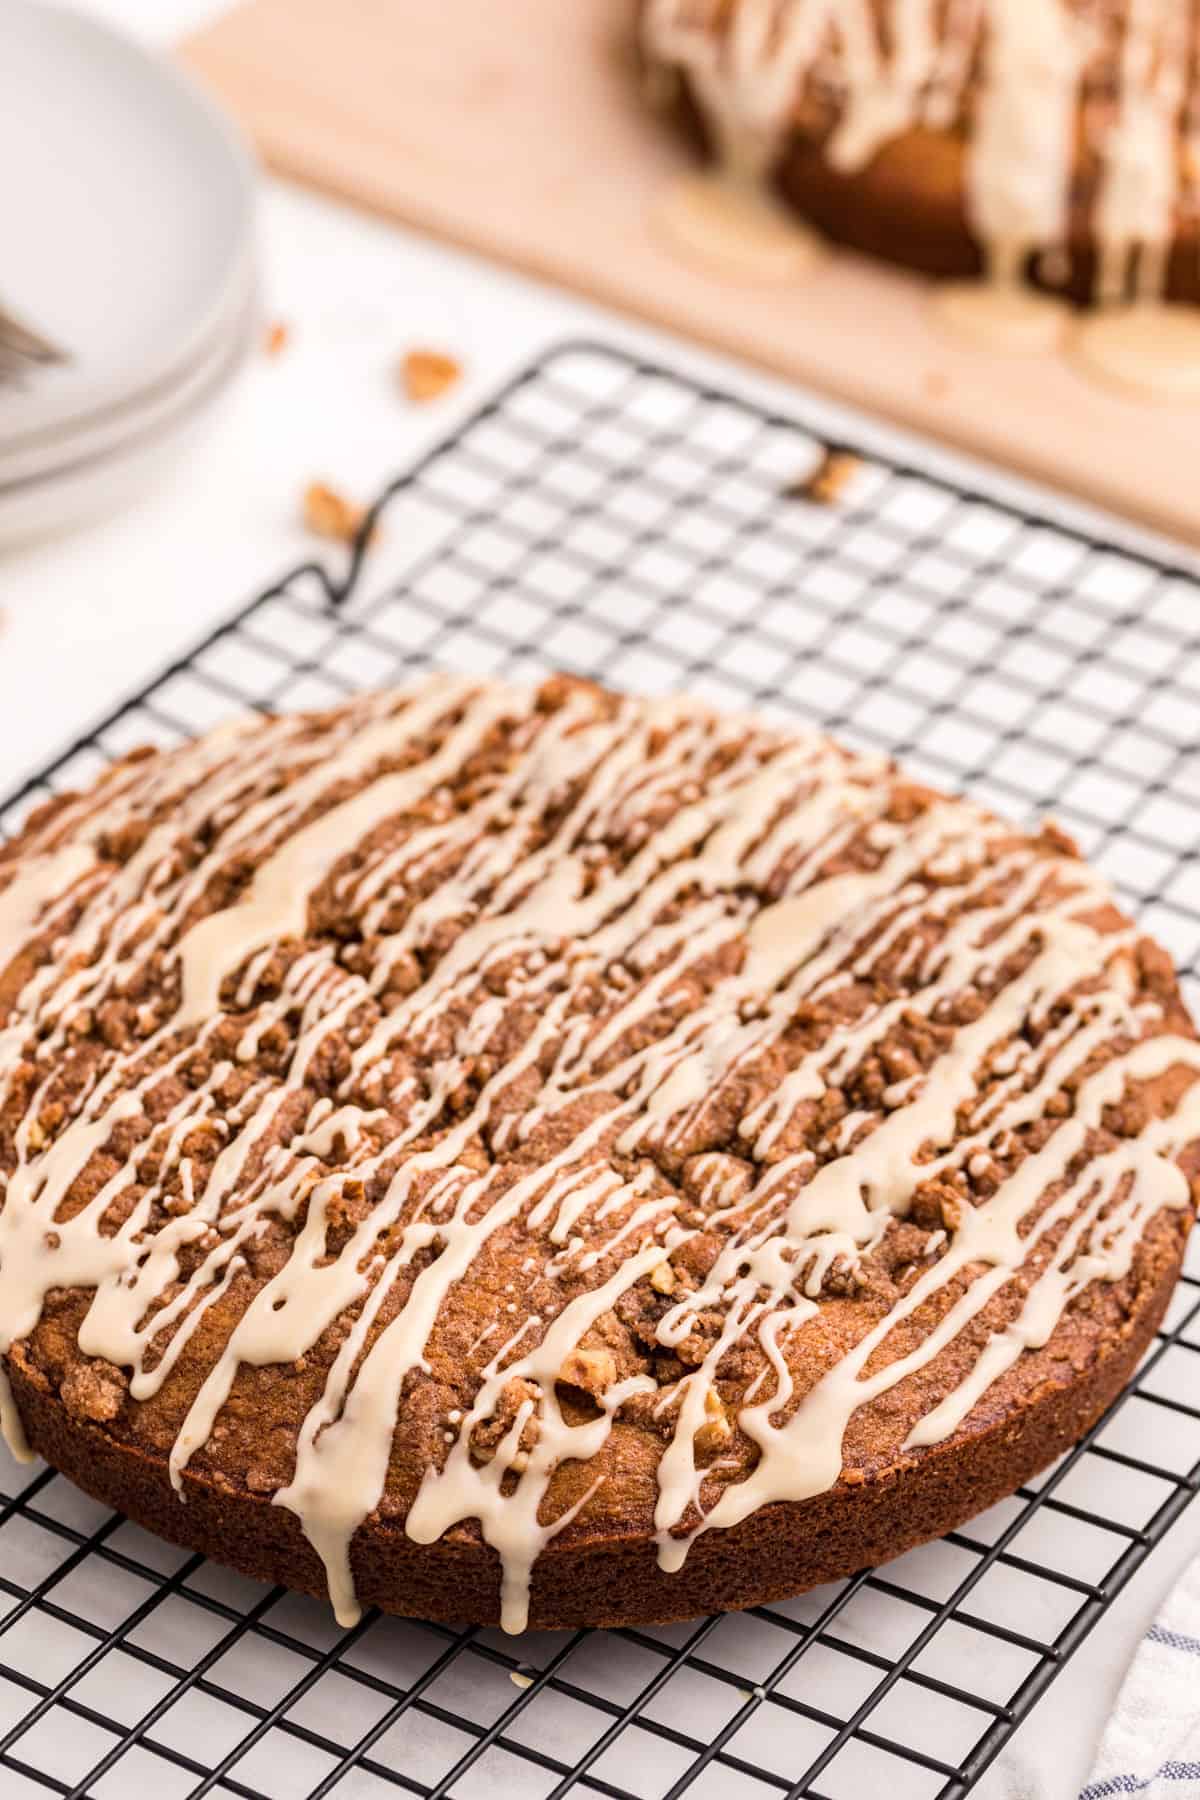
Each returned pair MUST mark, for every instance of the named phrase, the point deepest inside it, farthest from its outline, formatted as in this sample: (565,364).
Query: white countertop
(90,616)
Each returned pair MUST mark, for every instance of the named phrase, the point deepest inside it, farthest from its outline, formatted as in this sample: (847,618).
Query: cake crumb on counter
(428,374)
(826,482)
(277,337)
(330,514)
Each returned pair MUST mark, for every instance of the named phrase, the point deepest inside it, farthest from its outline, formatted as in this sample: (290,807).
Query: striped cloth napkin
(1151,1745)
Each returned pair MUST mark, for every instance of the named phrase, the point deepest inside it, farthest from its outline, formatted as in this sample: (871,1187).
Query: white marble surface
(89,616)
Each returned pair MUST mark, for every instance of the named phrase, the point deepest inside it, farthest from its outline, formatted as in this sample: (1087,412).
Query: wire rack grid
(613,517)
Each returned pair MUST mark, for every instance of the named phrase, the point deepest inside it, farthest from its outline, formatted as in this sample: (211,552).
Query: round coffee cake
(1047,138)
(558,1158)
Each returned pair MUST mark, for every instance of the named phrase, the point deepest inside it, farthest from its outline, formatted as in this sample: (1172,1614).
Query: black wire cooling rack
(615,518)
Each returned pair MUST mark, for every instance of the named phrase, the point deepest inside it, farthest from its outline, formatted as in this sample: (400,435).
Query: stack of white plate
(128,246)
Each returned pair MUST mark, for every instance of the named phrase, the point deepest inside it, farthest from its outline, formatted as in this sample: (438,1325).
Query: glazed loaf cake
(557,1158)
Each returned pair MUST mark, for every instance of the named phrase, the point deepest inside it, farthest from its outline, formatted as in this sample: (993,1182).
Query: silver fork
(22,348)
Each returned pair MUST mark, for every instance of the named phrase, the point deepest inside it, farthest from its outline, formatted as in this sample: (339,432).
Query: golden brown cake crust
(612,1578)
(475,1128)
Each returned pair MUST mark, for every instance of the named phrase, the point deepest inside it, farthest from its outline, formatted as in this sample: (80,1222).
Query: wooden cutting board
(519,130)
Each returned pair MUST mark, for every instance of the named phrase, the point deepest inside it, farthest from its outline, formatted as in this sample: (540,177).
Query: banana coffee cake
(557,1158)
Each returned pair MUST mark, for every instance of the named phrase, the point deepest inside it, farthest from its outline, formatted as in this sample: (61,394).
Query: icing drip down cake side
(556,1158)
(1054,139)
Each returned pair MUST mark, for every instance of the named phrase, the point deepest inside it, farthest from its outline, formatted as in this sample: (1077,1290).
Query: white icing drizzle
(761,883)
(1148,350)
(735,227)
(1140,180)
(1001,316)
(277,900)
(37,885)
(911,63)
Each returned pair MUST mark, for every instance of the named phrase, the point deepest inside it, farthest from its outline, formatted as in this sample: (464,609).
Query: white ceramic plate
(90,487)
(53,452)
(128,215)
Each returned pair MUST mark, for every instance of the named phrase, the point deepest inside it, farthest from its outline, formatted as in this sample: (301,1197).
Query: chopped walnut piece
(662,1279)
(490,1433)
(330,514)
(827,481)
(427,374)
(716,1430)
(276,337)
(592,1370)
